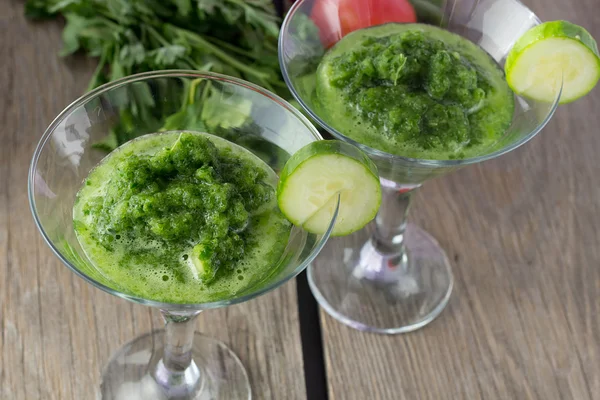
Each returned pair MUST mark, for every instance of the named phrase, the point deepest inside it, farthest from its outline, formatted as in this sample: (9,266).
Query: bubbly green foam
(177,281)
(393,116)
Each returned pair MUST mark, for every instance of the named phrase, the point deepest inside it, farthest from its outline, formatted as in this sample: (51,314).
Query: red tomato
(325,15)
(337,18)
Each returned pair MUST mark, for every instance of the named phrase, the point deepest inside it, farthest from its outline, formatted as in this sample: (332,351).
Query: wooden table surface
(523,232)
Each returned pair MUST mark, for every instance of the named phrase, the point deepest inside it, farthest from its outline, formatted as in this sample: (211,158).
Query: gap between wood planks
(315,376)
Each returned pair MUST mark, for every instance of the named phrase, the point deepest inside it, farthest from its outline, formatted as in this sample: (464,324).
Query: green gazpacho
(181,218)
(414,90)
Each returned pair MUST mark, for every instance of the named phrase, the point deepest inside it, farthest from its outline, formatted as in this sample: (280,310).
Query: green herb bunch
(232,37)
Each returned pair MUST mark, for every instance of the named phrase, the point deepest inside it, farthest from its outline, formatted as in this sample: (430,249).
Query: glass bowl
(174,363)
(393,277)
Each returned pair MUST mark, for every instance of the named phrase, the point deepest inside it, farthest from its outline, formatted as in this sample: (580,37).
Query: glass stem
(391,220)
(173,368)
(179,336)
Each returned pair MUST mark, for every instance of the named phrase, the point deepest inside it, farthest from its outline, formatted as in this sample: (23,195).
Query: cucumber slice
(551,53)
(317,175)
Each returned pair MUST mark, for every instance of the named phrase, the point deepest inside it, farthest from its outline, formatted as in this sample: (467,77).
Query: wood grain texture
(523,232)
(57,332)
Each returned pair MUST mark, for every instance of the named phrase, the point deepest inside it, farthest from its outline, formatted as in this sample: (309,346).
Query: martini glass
(392,276)
(174,363)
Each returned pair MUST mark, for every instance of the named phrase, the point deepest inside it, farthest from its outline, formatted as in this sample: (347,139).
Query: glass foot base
(373,292)
(128,374)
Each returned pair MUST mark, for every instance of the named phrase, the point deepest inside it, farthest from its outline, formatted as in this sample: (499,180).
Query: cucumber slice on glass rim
(319,174)
(550,54)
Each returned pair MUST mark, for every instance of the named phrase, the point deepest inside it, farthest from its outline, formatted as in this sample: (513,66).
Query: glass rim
(82,100)
(382,154)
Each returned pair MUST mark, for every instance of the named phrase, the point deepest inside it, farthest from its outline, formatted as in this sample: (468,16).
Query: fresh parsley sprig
(232,37)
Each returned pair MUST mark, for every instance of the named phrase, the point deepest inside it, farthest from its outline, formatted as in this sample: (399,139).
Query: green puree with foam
(181,218)
(414,90)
